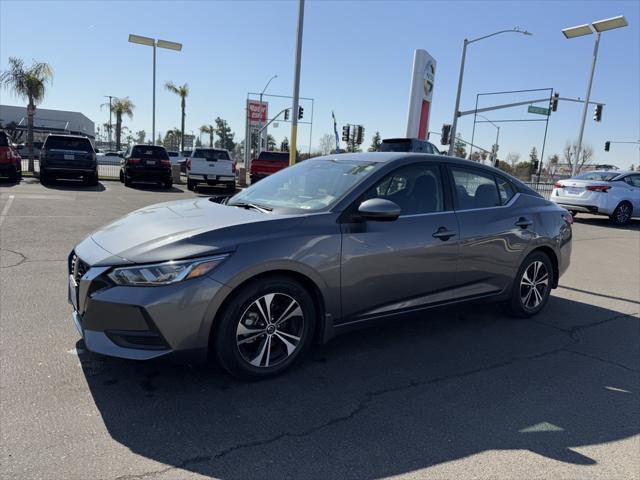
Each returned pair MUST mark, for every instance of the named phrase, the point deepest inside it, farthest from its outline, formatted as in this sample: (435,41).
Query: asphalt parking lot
(452,393)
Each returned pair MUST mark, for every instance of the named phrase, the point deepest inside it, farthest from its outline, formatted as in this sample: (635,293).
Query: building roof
(47,120)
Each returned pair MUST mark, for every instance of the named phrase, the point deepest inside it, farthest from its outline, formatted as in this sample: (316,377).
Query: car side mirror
(379,209)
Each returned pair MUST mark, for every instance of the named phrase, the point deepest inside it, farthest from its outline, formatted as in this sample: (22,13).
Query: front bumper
(142,323)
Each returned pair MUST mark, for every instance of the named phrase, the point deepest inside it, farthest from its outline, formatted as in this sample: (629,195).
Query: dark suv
(146,163)
(68,156)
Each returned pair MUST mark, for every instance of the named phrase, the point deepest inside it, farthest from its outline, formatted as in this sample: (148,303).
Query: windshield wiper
(253,206)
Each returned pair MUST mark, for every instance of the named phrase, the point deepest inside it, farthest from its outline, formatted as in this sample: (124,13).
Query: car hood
(175,230)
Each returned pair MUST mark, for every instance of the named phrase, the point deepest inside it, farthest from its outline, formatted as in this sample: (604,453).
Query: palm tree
(28,83)
(121,106)
(210,130)
(107,128)
(183,93)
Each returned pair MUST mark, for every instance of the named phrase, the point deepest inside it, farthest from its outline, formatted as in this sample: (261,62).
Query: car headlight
(164,273)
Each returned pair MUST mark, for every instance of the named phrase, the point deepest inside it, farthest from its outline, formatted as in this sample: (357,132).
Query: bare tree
(570,156)
(552,164)
(512,158)
(327,143)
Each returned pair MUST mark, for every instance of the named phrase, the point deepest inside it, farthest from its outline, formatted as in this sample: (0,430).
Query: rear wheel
(14,175)
(265,328)
(121,177)
(91,180)
(191,185)
(168,183)
(622,214)
(127,181)
(532,285)
(44,177)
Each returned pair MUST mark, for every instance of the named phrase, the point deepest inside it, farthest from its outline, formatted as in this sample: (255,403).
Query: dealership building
(47,121)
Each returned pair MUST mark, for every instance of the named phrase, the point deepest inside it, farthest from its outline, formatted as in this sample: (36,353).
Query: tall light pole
(296,86)
(578,31)
(497,135)
(110,124)
(152,42)
(454,124)
(262,93)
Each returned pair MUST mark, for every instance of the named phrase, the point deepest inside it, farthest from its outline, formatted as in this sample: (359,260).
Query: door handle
(524,222)
(443,234)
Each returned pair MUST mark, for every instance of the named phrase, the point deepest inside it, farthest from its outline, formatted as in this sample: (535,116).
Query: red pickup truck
(268,163)
(10,161)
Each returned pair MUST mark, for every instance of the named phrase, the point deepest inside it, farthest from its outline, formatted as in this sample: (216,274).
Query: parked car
(10,160)
(109,158)
(267,164)
(211,166)
(175,157)
(146,163)
(312,251)
(68,156)
(407,145)
(615,194)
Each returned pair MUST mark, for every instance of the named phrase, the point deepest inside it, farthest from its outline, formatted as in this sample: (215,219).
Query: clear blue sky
(357,60)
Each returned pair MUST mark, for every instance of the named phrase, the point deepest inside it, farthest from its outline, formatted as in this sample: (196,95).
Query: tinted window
(4,141)
(211,154)
(174,154)
(633,180)
(600,176)
(149,152)
(415,189)
(475,189)
(68,143)
(274,156)
(505,189)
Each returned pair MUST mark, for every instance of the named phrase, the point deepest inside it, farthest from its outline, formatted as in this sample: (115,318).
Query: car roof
(383,157)
(62,135)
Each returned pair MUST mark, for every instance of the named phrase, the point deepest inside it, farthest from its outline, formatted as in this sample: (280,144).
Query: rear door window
(474,189)
(211,154)
(149,152)
(68,143)
(505,189)
(4,141)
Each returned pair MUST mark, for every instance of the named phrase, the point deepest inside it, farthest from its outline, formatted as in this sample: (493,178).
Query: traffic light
(446,133)
(286,114)
(554,102)
(359,134)
(607,146)
(597,112)
(300,112)
(345,133)
(534,165)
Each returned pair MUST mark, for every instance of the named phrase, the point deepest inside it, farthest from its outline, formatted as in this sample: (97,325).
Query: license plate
(73,292)
(573,190)
(69,156)
(151,162)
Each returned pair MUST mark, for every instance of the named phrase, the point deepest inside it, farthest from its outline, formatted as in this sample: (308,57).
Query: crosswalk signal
(300,112)
(345,133)
(286,114)
(554,102)
(597,112)
(607,146)
(445,135)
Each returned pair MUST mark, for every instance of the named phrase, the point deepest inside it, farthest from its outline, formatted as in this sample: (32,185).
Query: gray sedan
(314,250)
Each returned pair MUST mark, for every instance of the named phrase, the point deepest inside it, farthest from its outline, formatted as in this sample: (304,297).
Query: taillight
(598,188)
(166,163)
(134,161)
(558,185)
(188,164)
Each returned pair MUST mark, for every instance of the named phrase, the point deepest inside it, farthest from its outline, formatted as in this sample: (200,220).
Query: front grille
(77,267)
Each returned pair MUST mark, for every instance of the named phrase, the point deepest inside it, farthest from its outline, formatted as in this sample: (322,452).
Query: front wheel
(532,285)
(622,214)
(265,328)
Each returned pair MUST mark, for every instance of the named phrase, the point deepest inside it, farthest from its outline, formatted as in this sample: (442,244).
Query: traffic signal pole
(296,85)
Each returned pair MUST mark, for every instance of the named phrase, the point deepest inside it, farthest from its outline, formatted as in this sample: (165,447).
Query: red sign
(257,112)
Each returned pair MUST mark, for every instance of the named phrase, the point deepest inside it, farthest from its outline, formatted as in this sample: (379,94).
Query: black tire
(121,177)
(14,175)
(92,180)
(622,214)
(524,301)
(168,184)
(127,181)
(573,213)
(231,188)
(236,359)
(44,177)
(191,185)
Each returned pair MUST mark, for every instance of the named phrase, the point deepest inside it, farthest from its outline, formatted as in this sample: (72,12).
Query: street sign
(538,110)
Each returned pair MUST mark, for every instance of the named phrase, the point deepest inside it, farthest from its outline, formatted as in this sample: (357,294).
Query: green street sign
(539,110)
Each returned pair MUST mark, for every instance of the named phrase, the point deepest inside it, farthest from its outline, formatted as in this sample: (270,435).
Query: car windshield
(69,143)
(309,186)
(211,154)
(149,152)
(599,176)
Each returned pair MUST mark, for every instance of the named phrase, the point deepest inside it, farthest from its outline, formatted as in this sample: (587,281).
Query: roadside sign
(538,110)
(257,112)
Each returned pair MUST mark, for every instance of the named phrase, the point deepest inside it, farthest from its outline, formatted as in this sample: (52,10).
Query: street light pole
(296,86)
(262,93)
(110,117)
(454,123)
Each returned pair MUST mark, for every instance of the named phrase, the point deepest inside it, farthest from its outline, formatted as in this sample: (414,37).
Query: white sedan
(615,194)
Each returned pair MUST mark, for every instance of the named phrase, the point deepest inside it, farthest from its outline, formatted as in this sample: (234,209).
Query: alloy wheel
(534,285)
(270,330)
(623,213)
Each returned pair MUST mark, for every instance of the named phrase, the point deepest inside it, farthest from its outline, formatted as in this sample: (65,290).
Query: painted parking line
(5,210)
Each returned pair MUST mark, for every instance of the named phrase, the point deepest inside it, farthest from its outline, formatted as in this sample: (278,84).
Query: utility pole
(110,124)
(296,85)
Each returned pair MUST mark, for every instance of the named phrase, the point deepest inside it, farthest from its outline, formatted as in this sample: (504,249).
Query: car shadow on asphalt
(73,185)
(634,224)
(402,396)
(154,187)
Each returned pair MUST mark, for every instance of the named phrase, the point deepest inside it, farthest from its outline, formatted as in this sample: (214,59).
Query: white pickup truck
(211,166)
